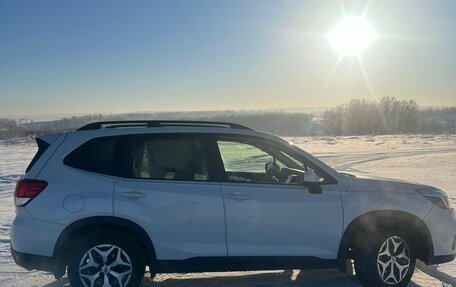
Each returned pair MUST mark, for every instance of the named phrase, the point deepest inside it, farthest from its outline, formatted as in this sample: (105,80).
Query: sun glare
(351,36)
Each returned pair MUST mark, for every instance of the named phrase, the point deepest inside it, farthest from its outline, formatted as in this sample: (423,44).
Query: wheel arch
(360,227)
(84,226)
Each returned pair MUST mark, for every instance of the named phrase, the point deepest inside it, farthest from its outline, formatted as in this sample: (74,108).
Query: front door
(269,210)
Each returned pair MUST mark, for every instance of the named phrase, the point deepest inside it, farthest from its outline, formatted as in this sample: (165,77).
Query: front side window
(254,162)
(243,157)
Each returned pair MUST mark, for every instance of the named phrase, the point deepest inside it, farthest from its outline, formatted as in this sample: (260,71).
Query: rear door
(269,210)
(168,188)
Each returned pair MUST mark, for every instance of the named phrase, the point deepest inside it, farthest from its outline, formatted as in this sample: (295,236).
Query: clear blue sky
(122,56)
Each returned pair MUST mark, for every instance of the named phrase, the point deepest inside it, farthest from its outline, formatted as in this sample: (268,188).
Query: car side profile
(105,201)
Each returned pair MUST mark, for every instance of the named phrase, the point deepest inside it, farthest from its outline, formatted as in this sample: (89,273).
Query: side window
(170,158)
(144,157)
(96,155)
(242,157)
(254,162)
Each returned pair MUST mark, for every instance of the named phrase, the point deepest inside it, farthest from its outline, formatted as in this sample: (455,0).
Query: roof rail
(159,123)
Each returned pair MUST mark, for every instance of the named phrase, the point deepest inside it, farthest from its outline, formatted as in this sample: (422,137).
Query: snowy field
(425,159)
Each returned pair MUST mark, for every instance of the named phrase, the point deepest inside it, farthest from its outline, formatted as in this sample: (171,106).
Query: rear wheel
(385,260)
(106,258)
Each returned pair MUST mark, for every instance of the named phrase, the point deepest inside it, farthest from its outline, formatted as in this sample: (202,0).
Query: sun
(351,36)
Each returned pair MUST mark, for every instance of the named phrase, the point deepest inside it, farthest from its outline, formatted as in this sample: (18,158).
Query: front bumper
(440,259)
(442,226)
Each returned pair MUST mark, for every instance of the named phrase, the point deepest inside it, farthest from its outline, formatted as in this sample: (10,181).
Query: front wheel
(385,260)
(106,258)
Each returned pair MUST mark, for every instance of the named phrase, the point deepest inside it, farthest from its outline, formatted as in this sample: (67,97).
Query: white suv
(109,199)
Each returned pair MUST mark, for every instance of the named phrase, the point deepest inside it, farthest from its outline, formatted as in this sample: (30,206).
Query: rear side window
(166,157)
(96,155)
(172,158)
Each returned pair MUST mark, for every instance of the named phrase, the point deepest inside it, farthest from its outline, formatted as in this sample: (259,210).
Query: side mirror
(315,188)
(312,181)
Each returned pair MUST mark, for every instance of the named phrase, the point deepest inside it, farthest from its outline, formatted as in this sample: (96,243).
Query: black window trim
(42,147)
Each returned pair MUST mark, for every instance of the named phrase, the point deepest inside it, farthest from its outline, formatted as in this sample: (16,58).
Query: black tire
(132,253)
(366,261)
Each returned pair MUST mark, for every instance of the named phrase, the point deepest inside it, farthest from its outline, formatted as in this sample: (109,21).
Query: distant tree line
(357,117)
(10,129)
(387,116)
(288,124)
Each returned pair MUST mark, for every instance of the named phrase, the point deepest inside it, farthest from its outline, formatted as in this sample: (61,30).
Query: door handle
(133,194)
(238,197)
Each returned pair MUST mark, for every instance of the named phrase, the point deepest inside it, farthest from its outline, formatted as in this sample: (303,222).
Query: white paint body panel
(183,219)
(32,236)
(441,224)
(96,193)
(363,195)
(280,220)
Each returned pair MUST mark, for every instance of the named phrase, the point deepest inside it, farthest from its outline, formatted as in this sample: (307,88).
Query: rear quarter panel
(71,194)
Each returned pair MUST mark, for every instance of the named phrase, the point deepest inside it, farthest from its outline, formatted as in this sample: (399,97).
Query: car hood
(353,181)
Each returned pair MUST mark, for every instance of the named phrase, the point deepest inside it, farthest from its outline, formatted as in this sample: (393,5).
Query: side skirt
(248,263)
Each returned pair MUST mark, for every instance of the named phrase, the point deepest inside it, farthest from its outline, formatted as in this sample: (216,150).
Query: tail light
(28,189)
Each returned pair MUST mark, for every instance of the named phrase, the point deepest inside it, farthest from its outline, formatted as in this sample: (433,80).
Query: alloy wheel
(105,265)
(393,260)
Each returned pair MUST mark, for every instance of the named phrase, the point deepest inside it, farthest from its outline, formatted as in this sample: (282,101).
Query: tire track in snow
(384,156)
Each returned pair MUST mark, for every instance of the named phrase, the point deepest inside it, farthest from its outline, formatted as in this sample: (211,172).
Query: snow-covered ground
(425,159)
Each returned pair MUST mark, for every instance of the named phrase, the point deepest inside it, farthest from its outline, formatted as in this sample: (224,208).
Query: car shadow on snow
(63,282)
(308,278)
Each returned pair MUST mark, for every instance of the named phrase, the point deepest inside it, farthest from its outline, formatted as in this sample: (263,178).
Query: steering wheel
(272,171)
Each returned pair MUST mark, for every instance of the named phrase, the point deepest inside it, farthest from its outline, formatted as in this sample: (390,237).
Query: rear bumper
(30,261)
(32,236)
